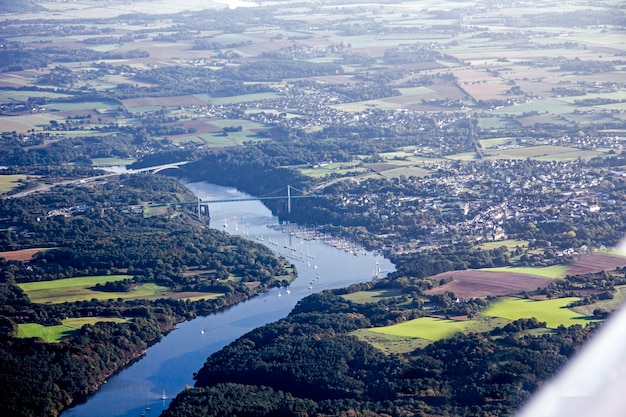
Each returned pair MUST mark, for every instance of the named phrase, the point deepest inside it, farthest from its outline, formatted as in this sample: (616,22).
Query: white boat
(164,397)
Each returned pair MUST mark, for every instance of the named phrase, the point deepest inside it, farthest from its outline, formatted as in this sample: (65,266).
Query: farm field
(510,244)
(79,289)
(608,305)
(489,282)
(554,312)
(9,182)
(430,328)
(371,296)
(409,335)
(543,153)
(52,334)
(334,168)
(554,271)
(22,254)
(595,262)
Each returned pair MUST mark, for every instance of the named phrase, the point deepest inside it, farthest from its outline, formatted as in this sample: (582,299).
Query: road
(48,187)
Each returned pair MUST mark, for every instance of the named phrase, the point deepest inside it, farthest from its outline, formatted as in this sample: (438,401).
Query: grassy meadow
(56,333)
(409,335)
(553,271)
(9,182)
(79,289)
(554,312)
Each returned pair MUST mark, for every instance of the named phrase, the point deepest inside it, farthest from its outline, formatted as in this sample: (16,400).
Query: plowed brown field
(474,283)
(596,262)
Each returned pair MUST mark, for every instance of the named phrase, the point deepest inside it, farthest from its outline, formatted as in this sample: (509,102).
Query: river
(168,366)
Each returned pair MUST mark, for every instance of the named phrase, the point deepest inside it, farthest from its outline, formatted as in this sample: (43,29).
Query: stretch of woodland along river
(147,386)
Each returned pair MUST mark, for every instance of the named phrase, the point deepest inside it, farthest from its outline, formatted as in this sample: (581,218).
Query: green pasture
(608,305)
(246,125)
(399,156)
(389,343)
(552,271)
(52,334)
(144,109)
(9,182)
(548,105)
(409,335)
(218,140)
(495,122)
(371,296)
(105,47)
(26,122)
(408,171)
(233,38)
(545,118)
(542,153)
(430,328)
(86,105)
(510,244)
(496,142)
(463,156)
(24,95)
(78,289)
(210,296)
(244,98)
(335,168)
(554,312)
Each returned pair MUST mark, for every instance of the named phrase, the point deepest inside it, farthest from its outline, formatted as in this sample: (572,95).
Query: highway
(47,187)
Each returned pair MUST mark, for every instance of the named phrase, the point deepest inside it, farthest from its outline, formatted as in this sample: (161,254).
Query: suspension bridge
(289,194)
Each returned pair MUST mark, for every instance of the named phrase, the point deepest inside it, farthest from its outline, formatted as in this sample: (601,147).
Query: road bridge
(291,193)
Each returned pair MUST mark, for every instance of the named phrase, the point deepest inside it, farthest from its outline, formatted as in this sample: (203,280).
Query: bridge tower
(203,207)
(288,198)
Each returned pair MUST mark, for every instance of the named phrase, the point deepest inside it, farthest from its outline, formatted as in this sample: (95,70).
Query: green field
(216,100)
(335,168)
(216,140)
(543,153)
(608,305)
(510,244)
(363,297)
(406,172)
(553,312)
(389,343)
(430,328)
(553,271)
(409,335)
(53,334)
(78,289)
(9,182)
